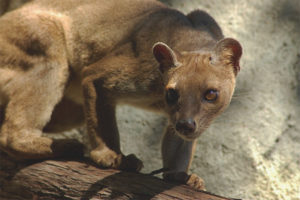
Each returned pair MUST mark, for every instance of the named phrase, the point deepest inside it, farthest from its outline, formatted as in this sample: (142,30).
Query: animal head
(198,85)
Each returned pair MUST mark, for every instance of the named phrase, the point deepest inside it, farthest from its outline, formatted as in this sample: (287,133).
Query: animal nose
(186,126)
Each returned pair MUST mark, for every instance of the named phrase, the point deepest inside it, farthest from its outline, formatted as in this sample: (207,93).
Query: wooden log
(71,179)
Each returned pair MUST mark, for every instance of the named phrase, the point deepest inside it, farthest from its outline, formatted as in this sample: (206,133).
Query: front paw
(195,182)
(110,159)
(106,158)
(182,177)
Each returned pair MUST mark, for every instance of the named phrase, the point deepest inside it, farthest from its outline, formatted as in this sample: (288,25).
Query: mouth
(187,137)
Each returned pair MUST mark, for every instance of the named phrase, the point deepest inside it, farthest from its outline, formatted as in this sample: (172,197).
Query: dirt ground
(252,151)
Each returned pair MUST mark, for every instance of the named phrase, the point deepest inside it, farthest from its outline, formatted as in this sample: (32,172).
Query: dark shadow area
(12,165)
(8,5)
(142,186)
(120,183)
(290,13)
(297,69)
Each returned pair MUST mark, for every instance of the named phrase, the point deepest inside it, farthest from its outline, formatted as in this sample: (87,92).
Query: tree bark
(71,179)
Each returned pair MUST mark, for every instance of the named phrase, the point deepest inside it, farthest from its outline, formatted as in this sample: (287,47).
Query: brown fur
(59,59)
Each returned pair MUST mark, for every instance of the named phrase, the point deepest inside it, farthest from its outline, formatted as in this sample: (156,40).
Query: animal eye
(172,96)
(211,95)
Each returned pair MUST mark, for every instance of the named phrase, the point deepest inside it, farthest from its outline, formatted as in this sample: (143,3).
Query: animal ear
(230,51)
(165,56)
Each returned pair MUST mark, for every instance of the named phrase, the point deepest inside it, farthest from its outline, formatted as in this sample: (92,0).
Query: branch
(65,179)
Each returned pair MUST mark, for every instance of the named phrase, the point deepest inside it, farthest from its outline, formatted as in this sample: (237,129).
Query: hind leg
(31,97)
(34,70)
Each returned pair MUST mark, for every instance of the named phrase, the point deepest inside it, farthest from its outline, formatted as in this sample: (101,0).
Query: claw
(182,177)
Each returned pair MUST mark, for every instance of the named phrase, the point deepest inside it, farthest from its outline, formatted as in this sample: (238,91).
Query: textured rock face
(252,151)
